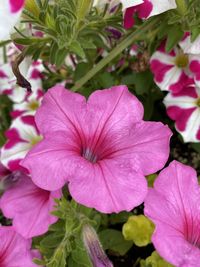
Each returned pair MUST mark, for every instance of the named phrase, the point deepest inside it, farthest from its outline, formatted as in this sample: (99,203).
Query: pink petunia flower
(173,205)
(29,206)
(184,108)
(22,136)
(102,147)
(144,9)
(172,70)
(15,251)
(10,12)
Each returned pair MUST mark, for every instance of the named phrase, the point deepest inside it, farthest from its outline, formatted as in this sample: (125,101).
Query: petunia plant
(99,133)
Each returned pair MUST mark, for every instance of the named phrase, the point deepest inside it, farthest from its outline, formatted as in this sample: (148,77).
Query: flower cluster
(22,201)
(96,153)
(178,73)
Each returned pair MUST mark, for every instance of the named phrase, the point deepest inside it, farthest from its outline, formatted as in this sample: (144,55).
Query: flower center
(33,105)
(182,60)
(198,102)
(89,155)
(36,139)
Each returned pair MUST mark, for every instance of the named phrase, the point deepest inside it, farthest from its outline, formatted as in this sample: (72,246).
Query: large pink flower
(9,14)
(144,9)
(101,147)
(184,108)
(15,251)
(173,205)
(29,206)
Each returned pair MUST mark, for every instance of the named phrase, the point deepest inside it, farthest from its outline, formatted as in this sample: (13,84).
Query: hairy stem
(126,42)
(181,7)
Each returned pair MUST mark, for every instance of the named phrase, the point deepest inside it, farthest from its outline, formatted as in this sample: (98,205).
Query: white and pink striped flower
(32,72)
(29,106)
(22,136)
(173,71)
(190,47)
(10,12)
(184,108)
(144,9)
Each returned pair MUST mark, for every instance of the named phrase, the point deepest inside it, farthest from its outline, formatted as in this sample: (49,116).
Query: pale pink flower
(173,206)
(22,136)
(10,12)
(184,108)
(29,206)
(172,70)
(144,9)
(15,251)
(102,147)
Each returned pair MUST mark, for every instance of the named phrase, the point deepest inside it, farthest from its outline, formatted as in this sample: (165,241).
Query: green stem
(181,7)
(126,42)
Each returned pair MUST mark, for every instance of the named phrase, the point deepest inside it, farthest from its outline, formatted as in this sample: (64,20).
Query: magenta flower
(184,108)
(144,9)
(102,147)
(173,205)
(172,71)
(28,206)
(15,251)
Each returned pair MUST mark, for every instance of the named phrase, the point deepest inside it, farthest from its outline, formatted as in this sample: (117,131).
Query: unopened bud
(94,248)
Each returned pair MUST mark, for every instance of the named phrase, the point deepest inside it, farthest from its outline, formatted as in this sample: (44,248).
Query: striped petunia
(184,108)
(173,71)
(22,136)
(144,9)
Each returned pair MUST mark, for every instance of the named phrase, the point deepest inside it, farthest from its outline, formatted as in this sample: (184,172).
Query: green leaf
(80,255)
(175,34)
(76,48)
(142,81)
(81,69)
(121,217)
(105,79)
(151,178)
(113,240)
(154,261)
(196,146)
(52,240)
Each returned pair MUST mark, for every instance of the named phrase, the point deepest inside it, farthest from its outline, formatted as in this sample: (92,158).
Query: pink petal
(62,109)
(29,207)
(15,251)
(128,18)
(173,206)
(16,5)
(104,185)
(146,142)
(180,115)
(55,157)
